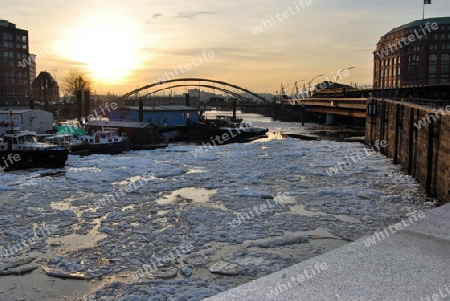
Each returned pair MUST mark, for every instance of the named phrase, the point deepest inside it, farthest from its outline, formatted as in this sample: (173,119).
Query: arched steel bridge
(191,79)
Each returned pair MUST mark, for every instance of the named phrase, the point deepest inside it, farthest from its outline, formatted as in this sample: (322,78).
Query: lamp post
(340,72)
(296,88)
(309,83)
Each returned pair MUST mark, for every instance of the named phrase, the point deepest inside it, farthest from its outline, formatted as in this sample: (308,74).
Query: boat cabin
(107,135)
(59,139)
(15,139)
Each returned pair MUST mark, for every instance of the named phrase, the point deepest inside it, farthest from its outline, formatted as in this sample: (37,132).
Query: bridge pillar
(330,119)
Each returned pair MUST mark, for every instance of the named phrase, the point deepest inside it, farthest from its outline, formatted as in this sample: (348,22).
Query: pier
(418,138)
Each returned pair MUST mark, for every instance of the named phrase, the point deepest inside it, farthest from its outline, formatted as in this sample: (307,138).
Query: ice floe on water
(116,215)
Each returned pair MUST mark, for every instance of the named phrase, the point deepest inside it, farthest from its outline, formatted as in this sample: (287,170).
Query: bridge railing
(433,103)
(327,101)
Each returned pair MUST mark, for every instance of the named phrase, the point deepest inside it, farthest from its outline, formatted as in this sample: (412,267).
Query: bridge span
(308,109)
(353,107)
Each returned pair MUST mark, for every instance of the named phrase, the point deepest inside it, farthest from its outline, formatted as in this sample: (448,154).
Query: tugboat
(229,129)
(142,135)
(106,141)
(21,150)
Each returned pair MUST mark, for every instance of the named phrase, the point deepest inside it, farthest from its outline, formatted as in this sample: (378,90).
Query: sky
(125,44)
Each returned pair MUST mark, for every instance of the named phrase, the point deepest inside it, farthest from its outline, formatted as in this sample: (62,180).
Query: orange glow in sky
(123,44)
(109,49)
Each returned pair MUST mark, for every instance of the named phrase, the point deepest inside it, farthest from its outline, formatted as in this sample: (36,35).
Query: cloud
(194,14)
(153,17)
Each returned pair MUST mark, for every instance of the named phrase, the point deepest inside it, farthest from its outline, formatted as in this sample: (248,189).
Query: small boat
(106,141)
(75,145)
(142,135)
(21,150)
(228,130)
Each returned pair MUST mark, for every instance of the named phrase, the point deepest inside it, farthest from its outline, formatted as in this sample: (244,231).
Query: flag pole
(423,11)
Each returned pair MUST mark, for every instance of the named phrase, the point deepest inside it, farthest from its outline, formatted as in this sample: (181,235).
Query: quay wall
(418,138)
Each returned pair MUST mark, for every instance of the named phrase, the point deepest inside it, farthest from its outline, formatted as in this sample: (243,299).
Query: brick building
(44,88)
(414,54)
(17,65)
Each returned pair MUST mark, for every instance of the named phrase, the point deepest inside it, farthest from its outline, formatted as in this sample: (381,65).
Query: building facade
(35,120)
(44,89)
(157,115)
(17,66)
(414,54)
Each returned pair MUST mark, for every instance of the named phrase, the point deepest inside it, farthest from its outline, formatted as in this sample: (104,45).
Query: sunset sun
(107,47)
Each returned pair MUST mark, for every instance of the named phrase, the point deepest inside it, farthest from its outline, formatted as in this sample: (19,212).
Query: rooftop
(418,23)
(15,111)
(163,108)
(5,23)
(20,111)
(115,123)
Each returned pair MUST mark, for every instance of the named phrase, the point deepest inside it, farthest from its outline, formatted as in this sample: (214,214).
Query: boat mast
(11,122)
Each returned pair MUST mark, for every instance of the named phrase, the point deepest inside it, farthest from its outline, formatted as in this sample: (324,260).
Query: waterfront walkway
(410,264)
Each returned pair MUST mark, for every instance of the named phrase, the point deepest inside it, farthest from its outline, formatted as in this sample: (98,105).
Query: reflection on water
(246,116)
(300,209)
(74,241)
(270,136)
(252,118)
(187,196)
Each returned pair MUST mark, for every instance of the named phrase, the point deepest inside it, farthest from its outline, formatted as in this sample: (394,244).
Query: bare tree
(76,82)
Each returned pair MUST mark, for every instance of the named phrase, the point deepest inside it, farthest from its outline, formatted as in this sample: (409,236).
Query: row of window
(443,47)
(445,58)
(391,84)
(431,81)
(441,36)
(433,65)
(413,62)
(388,72)
(14,92)
(397,37)
(432,69)
(390,62)
(431,47)
(414,59)
(10,37)
(10,54)
(408,31)
(412,69)
(444,27)
(417,48)
(17,63)
(422,35)
(10,77)
(12,73)
(9,60)
(15,81)
(7,44)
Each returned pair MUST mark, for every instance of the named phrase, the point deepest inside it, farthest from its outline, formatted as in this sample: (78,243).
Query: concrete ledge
(410,264)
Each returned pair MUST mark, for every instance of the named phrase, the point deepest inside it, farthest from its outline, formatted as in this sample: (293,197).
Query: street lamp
(296,95)
(342,70)
(309,83)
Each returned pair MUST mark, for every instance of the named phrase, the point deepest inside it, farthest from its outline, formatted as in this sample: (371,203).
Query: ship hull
(24,159)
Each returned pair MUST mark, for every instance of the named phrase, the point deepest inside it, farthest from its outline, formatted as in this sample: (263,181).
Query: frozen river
(177,224)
